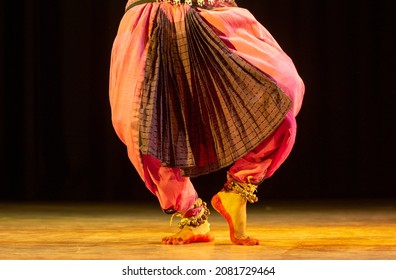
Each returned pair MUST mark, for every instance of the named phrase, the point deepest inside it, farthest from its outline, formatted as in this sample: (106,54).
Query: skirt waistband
(194,3)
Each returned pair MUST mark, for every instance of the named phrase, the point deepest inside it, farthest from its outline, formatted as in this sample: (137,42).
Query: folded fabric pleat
(203,106)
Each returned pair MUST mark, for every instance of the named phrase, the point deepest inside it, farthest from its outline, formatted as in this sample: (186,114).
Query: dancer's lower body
(251,47)
(177,195)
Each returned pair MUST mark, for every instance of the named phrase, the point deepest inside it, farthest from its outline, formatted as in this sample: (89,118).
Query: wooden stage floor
(287,230)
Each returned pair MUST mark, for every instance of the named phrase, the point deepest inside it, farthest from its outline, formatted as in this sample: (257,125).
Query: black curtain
(56,137)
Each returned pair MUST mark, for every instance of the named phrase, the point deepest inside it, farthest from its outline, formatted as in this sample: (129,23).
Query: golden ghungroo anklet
(197,220)
(246,190)
(194,220)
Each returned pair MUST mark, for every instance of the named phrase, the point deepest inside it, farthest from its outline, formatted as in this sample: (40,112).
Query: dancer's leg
(247,173)
(177,196)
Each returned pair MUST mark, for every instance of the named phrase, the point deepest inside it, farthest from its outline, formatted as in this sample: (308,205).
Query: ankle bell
(246,190)
(195,216)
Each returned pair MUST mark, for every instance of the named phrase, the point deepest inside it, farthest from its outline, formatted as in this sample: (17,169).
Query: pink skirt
(197,88)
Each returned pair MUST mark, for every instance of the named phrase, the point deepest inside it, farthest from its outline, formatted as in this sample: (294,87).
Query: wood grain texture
(287,231)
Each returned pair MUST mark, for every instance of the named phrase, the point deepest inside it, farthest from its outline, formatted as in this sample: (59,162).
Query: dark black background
(56,137)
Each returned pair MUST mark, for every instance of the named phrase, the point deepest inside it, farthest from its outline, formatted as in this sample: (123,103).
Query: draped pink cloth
(247,38)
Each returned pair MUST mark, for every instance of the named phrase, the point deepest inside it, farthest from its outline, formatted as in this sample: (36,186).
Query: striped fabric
(203,106)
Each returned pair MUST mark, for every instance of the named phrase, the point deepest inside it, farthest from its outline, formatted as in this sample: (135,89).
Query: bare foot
(233,208)
(189,235)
